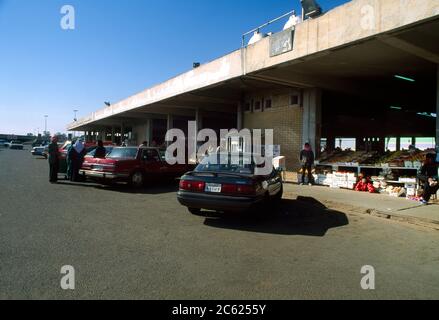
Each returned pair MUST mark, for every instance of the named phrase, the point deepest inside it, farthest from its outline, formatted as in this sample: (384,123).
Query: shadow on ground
(155,188)
(304,216)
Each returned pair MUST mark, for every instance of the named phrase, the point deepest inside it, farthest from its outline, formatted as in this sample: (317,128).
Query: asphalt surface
(128,244)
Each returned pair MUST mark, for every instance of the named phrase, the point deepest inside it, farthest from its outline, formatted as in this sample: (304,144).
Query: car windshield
(125,153)
(16,142)
(92,151)
(226,163)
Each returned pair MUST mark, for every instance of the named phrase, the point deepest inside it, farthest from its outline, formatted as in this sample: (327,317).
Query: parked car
(3,143)
(133,165)
(219,185)
(39,151)
(16,145)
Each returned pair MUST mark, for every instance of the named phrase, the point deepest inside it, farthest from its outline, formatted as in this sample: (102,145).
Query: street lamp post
(75,119)
(45,124)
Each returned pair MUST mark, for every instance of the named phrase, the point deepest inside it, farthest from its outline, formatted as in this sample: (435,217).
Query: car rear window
(227,164)
(125,153)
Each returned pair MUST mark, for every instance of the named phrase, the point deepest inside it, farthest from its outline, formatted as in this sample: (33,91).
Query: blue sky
(119,47)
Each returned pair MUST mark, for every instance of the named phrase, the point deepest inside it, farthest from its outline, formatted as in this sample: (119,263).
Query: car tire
(195,211)
(137,179)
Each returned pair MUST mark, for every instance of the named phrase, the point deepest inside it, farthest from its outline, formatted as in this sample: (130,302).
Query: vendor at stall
(365,185)
(429,178)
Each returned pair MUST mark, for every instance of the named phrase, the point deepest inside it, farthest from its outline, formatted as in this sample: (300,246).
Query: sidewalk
(380,205)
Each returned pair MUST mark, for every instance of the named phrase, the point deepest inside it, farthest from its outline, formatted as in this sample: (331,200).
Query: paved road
(142,245)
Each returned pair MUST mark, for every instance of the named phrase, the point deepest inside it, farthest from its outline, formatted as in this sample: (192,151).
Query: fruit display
(349,156)
(396,158)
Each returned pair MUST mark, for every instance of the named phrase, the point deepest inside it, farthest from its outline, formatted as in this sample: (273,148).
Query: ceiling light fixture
(404,78)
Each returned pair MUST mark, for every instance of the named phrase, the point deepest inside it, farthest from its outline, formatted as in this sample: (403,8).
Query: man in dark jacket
(307,159)
(54,160)
(429,176)
(100,152)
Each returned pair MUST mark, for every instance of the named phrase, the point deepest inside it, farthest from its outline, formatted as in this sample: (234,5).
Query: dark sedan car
(221,185)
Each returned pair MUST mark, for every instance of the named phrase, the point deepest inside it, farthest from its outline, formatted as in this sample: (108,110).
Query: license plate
(98,168)
(213,187)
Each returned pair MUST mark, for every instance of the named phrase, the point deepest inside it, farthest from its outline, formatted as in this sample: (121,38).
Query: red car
(133,165)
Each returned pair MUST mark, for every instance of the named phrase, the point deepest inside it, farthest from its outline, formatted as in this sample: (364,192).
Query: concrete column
(148,131)
(113,132)
(398,143)
(103,134)
(170,125)
(198,120)
(240,116)
(312,113)
(198,126)
(122,133)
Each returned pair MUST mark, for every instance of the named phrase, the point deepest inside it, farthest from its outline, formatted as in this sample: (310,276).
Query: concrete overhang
(351,48)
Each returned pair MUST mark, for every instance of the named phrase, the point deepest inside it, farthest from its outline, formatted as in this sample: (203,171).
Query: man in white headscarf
(77,159)
(79,146)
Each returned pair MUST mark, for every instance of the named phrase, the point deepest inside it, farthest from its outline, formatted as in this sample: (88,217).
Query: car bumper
(218,202)
(104,175)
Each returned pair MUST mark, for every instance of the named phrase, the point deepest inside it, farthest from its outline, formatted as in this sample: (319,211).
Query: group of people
(74,158)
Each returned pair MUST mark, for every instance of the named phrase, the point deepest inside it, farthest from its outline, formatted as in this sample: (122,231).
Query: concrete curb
(423,222)
(407,219)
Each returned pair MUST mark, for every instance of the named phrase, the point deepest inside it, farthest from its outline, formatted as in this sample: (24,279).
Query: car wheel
(195,211)
(137,179)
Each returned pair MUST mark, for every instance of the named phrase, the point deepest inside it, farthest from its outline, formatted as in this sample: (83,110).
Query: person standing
(78,159)
(53,160)
(307,159)
(100,152)
(71,158)
(429,176)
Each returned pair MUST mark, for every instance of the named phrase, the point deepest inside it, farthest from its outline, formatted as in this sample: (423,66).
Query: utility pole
(75,119)
(45,124)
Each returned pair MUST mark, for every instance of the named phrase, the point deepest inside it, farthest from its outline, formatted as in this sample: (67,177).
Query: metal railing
(265,25)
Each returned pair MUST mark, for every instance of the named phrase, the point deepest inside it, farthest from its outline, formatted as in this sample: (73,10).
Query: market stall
(393,173)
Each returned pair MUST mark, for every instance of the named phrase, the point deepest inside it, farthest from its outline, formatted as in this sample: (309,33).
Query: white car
(39,151)
(16,145)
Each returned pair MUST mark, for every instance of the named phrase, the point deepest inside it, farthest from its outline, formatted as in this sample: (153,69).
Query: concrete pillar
(113,133)
(169,125)
(103,134)
(398,143)
(148,131)
(240,116)
(170,122)
(122,133)
(198,126)
(198,120)
(312,118)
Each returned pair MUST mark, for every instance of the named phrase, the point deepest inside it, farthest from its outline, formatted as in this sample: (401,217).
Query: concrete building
(366,69)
